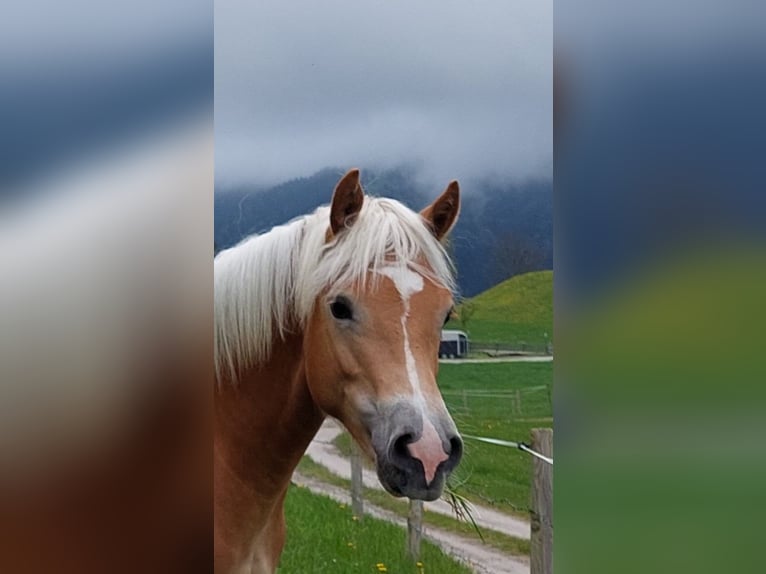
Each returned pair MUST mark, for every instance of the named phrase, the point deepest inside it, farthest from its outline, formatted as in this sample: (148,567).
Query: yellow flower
(419,564)
(354,518)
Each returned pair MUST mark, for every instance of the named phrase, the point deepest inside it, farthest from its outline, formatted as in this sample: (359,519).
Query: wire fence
(495,476)
(534,402)
(498,348)
(540,500)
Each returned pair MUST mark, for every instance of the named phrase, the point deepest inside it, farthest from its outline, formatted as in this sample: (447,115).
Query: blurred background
(106,175)
(660,276)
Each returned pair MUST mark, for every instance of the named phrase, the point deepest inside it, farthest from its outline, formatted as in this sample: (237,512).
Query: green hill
(518,310)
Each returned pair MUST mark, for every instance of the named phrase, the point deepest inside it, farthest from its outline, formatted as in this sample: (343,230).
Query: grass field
(493,475)
(323,537)
(519,310)
(490,474)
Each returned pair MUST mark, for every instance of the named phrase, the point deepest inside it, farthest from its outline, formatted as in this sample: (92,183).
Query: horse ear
(442,214)
(347,201)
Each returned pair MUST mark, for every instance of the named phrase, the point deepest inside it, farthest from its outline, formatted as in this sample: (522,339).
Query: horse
(337,313)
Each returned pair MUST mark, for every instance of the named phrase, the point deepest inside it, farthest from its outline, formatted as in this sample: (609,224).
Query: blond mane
(267,285)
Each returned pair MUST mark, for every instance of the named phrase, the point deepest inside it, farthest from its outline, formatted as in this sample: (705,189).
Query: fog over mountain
(416,94)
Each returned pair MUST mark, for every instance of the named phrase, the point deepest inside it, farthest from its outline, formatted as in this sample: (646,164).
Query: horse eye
(447,318)
(340,309)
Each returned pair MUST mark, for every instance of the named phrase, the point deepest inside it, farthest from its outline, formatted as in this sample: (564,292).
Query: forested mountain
(504,230)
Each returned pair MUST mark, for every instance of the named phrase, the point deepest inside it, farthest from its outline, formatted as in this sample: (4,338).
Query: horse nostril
(400,446)
(455,448)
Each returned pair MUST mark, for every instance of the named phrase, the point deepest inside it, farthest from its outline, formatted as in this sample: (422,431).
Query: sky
(454,89)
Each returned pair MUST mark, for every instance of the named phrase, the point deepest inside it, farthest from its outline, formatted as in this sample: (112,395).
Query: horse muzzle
(415,452)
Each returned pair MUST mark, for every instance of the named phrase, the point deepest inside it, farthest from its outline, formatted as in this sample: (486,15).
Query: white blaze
(428,447)
(407,282)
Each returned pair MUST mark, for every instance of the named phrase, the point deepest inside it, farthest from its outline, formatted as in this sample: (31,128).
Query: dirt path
(515,359)
(323,451)
(482,559)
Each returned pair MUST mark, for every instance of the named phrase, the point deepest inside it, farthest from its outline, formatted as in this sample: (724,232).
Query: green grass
(323,537)
(518,310)
(493,475)
(381,499)
(490,474)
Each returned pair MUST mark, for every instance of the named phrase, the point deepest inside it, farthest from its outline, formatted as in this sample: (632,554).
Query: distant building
(453,344)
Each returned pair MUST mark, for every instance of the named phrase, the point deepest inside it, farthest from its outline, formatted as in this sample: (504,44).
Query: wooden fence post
(357,486)
(541,507)
(414,528)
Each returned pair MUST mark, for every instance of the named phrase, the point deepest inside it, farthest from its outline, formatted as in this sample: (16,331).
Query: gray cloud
(457,88)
